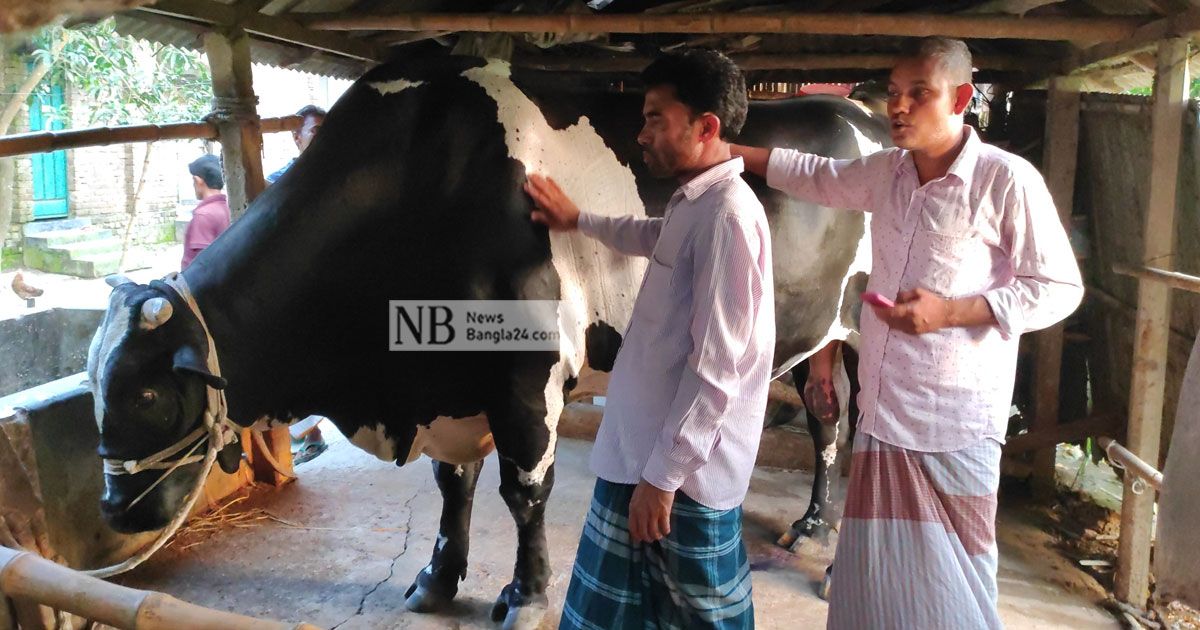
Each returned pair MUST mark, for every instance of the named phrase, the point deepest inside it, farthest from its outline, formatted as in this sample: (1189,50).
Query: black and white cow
(412,190)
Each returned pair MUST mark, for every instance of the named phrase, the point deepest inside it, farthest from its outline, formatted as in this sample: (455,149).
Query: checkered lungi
(696,577)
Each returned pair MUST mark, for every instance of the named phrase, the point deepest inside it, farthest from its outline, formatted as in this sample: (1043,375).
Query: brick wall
(103,181)
(12,74)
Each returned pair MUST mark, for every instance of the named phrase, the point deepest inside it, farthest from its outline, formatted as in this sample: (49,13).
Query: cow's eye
(145,399)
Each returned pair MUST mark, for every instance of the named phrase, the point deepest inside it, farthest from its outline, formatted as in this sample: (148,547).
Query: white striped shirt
(689,389)
(987,227)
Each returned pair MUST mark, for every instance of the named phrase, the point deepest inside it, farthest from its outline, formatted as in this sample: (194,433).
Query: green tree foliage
(123,80)
(1193,90)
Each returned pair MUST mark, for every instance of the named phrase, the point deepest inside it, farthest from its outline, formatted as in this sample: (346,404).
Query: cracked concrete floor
(368,527)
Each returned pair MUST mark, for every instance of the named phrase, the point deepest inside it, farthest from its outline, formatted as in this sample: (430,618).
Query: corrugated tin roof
(162,30)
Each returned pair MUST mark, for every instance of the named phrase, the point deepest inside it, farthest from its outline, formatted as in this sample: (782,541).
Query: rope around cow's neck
(217,426)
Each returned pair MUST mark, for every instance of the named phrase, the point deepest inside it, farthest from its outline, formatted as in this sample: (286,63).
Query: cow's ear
(189,361)
(230,457)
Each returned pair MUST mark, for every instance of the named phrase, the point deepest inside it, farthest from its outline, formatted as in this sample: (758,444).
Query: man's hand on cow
(650,513)
(554,208)
(916,312)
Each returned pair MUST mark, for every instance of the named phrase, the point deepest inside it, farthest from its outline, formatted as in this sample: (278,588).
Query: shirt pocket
(949,265)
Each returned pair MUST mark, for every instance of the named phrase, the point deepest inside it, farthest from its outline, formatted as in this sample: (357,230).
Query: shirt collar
(217,198)
(700,184)
(963,166)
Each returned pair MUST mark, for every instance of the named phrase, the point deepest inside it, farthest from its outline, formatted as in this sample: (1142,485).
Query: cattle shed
(1055,81)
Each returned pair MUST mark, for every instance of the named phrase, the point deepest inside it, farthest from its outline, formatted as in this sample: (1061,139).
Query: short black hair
(706,81)
(208,168)
(311,110)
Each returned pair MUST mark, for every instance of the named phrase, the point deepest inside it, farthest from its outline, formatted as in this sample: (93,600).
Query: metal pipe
(1132,463)
(1173,279)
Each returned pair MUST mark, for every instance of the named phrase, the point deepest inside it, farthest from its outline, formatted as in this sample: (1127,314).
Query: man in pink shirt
(966,239)
(662,544)
(211,216)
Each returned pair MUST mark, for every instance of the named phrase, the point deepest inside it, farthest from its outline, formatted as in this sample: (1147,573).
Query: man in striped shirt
(661,547)
(966,238)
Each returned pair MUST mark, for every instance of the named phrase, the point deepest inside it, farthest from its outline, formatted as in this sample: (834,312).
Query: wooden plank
(756,62)
(278,28)
(241,139)
(1143,39)
(1092,29)
(1148,381)
(279,441)
(1058,164)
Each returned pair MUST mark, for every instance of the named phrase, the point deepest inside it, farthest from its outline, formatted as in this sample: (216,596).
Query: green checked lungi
(696,577)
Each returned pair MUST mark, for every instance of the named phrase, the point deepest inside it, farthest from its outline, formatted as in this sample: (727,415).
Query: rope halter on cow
(216,430)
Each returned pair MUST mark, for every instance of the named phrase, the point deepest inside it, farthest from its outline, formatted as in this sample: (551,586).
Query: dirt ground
(339,548)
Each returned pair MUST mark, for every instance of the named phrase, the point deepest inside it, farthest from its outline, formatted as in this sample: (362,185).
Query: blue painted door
(49,169)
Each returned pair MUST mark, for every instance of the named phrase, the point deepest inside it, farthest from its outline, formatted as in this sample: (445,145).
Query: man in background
(211,216)
(313,118)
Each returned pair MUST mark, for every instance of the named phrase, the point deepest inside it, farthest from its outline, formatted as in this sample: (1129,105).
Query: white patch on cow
(375,441)
(110,336)
(441,542)
(453,440)
(597,284)
(793,261)
(458,471)
(394,87)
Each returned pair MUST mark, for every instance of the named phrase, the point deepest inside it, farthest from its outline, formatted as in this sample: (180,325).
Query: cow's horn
(155,312)
(115,280)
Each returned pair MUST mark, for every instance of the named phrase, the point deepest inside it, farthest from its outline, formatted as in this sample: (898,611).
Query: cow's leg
(437,583)
(814,382)
(523,601)
(524,431)
(850,362)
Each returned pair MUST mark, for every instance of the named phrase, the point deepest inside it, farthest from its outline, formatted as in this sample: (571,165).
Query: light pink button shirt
(689,388)
(988,227)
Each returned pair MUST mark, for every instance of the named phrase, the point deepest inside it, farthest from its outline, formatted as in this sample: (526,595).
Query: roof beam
(757,62)
(270,27)
(1146,38)
(1091,30)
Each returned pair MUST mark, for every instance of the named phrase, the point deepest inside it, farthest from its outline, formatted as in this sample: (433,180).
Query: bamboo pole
(47,141)
(25,576)
(1098,29)
(1148,381)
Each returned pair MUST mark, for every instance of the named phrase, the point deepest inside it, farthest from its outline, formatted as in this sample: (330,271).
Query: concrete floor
(367,528)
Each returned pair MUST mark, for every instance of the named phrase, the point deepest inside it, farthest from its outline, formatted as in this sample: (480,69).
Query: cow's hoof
(427,594)
(515,611)
(810,528)
(823,590)
(788,539)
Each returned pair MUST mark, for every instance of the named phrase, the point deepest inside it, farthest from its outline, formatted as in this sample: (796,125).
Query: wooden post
(1058,163)
(237,121)
(1153,318)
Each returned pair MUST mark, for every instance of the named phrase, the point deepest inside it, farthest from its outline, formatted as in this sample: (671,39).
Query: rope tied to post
(238,109)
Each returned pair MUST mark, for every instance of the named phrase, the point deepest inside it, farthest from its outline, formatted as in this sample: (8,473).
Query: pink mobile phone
(872,297)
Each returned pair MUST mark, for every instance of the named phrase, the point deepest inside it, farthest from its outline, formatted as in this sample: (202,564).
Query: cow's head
(148,375)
